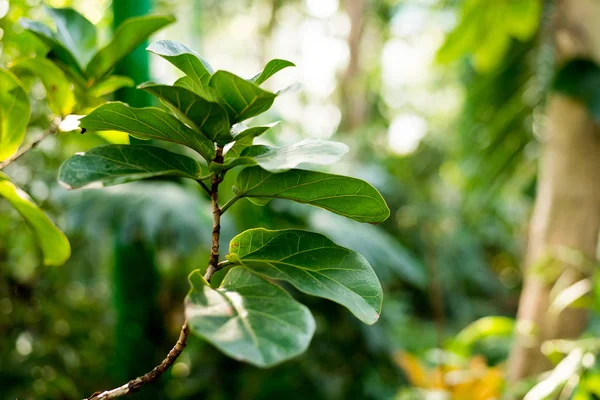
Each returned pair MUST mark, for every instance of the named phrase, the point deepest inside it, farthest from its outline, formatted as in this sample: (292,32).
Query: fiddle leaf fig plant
(249,317)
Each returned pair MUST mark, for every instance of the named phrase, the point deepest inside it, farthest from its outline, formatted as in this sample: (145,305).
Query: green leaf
(205,116)
(49,38)
(14,114)
(76,33)
(313,151)
(522,18)
(188,61)
(350,197)
(188,83)
(130,34)
(271,69)
(580,79)
(61,98)
(54,244)
(109,85)
(241,99)
(245,138)
(314,265)
(248,318)
(114,164)
(147,123)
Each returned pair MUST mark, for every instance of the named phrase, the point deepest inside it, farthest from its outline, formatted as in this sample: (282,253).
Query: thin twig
(135,384)
(52,129)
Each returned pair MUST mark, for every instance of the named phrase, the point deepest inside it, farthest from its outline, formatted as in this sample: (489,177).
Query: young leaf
(75,33)
(188,61)
(241,99)
(14,114)
(109,85)
(114,164)
(188,83)
(49,38)
(147,123)
(245,138)
(313,151)
(205,116)
(54,244)
(248,318)
(271,69)
(59,90)
(130,34)
(314,265)
(350,197)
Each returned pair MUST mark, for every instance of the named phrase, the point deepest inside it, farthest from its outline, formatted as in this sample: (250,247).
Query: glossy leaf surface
(146,123)
(249,318)
(116,164)
(350,197)
(314,265)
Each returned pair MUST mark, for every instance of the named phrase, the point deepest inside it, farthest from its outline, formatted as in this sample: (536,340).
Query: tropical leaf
(314,265)
(350,197)
(54,244)
(188,61)
(115,164)
(147,123)
(14,114)
(109,85)
(249,318)
(61,98)
(75,32)
(205,116)
(241,99)
(271,69)
(130,34)
(311,151)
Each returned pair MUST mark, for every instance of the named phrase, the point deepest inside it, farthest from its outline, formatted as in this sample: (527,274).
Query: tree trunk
(567,207)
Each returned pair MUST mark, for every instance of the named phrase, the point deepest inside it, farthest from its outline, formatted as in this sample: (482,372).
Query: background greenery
(447,136)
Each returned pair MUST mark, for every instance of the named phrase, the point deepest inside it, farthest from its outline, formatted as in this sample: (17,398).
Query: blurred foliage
(459,199)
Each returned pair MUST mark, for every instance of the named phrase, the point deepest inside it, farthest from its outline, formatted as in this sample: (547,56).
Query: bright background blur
(449,143)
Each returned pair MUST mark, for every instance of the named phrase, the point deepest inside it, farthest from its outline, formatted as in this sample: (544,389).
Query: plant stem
(229,204)
(216,211)
(213,266)
(52,129)
(135,384)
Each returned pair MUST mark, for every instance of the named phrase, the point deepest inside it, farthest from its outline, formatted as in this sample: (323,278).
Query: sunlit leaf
(205,116)
(188,61)
(241,99)
(522,18)
(109,85)
(314,265)
(350,197)
(61,98)
(53,243)
(271,69)
(147,123)
(75,32)
(48,37)
(116,164)
(248,318)
(311,151)
(130,34)
(14,114)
